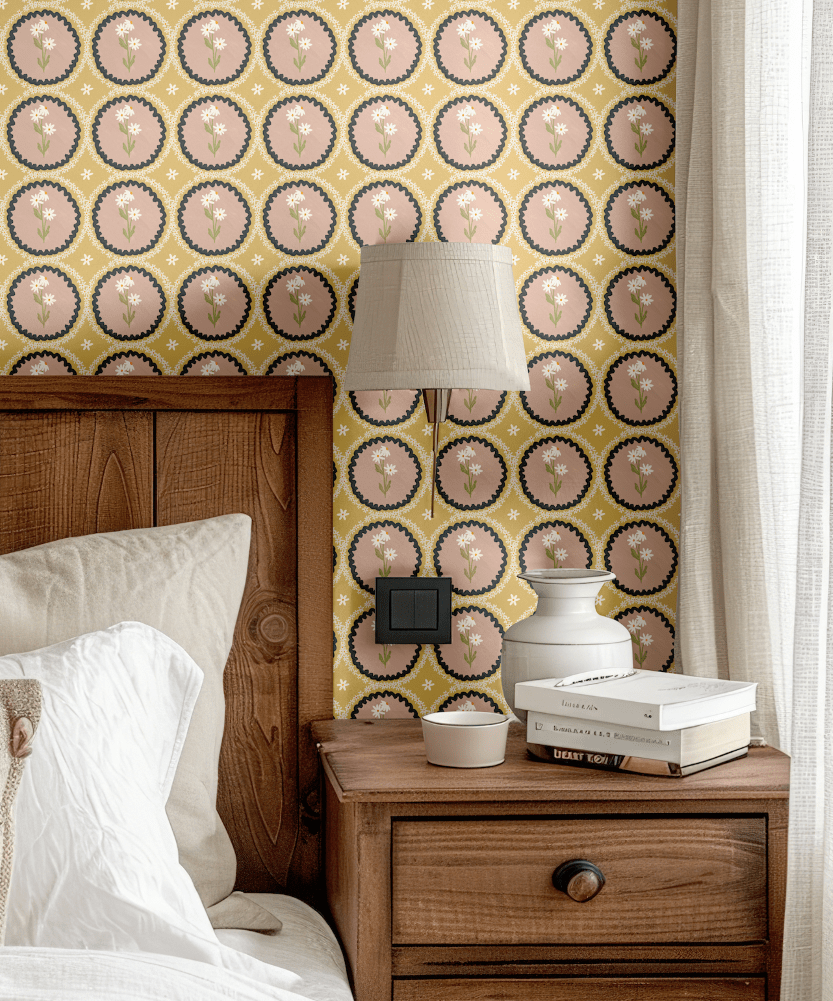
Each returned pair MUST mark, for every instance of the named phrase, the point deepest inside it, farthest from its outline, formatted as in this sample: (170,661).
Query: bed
(98,455)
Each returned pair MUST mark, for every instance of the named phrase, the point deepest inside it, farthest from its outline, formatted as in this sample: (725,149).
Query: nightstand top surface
(384,761)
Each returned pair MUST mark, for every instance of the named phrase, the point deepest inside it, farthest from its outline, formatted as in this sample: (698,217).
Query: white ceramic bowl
(465,739)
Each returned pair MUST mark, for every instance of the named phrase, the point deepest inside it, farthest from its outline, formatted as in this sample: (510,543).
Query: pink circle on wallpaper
(640,388)
(652,638)
(555,47)
(472,555)
(214,133)
(639,218)
(43,218)
(384,47)
(555,218)
(43,47)
(640,133)
(555,473)
(213,363)
(128,218)
(384,406)
(641,473)
(640,47)
(214,304)
(553,545)
(384,213)
(555,303)
(384,473)
(555,133)
(128,363)
(298,363)
(470,213)
(128,303)
(470,47)
(475,406)
(214,47)
(470,473)
(128,48)
(299,47)
(560,391)
(469,133)
(43,304)
(384,133)
(299,218)
(128,133)
(383,549)
(642,556)
(475,647)
(384,705)
(299,303)
(42,363)
(214,218)
(640,303)
(378,660)
(299,132)
(43,133)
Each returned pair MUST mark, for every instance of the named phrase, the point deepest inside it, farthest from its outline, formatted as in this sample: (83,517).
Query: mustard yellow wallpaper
(185,191)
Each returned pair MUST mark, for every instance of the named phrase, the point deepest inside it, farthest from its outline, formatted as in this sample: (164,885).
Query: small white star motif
(515,259)
(257,174)
(426,514)
(428,684)
(598,4)
(87,88)
(428,429)
(257,345)
(598,259)
(598,514)
(257,260)
(428,89)
(87,4)
(342,4)
(342,599)
(86,345)
(513,88)
(172,88)
(598,89)
(513,4)
(257,4)
(342,89)
(598,175)
(513,175)
(342,175)
(172,259)
(598,429)
(172,4)
(342,514)
(2,175)
(172,344)
(513,515)
(428,174)
(86,175)
(2,345)
(86,260)
(342,685)
(598,344)
(257,90)
(342,430)
(342,258)
(513,429)
(599,599)
(428,4)
(343,345)
(513,599)
(172,174)
(3,88)
(2,259)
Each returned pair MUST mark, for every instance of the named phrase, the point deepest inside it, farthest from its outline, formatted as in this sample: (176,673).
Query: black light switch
(402,609)
(413,610)
(425,609)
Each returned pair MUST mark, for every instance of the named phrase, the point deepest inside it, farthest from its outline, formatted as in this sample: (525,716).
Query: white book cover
(650,699)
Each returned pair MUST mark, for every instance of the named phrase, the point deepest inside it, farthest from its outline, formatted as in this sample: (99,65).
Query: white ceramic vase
(565,635)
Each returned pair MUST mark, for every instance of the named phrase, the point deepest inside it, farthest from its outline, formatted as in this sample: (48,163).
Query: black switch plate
(413,610)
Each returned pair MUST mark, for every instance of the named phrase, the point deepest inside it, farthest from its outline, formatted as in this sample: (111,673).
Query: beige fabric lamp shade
(439,316)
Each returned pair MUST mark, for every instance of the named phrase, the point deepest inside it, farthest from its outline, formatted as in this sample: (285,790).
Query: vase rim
(567,574)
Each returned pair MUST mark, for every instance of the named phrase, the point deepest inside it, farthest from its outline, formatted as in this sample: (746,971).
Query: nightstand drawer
(632,989)
(668,879)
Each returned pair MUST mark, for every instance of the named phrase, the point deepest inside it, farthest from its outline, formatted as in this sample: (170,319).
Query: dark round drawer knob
(579,879)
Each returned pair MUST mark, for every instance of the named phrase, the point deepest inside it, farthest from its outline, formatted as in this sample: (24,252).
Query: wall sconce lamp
(437,317)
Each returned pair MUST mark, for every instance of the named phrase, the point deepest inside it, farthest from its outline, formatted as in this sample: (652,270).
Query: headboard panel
(95,454)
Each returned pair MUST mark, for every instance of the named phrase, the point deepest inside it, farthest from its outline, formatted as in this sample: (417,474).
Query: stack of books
(643,721)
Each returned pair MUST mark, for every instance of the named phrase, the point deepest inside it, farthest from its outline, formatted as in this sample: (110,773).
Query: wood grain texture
(609,989)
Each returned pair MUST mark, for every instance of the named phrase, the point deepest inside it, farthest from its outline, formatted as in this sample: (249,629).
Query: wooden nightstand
(439,880)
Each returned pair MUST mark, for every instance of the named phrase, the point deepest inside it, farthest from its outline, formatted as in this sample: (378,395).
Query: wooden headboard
(95,454)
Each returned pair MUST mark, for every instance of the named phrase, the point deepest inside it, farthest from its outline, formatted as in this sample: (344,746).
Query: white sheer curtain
(755,239)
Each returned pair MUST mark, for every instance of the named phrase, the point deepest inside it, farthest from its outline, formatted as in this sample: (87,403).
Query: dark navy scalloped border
(351,298)
(128,355)
(527,540)
(630,526)
(522,306)
(267,225)
(582,238)
(112,103)
(210,354)
(469,184)
(641,99)
(479,80)
(549,100)
(557,423)
(351,646)
(484,420)
(372,527)
(180,134)
(180,213)
(455,443)
(22,20)
(528,28)
(354,712)
(268,37)
(609,295)
(271,320)
(127,81)
(378,81)
(609,36)
(619,617)
(18,195)
(41,354)
(97,314)
(268,120)
(351,212)
(352,126)
(555,440)
(470,677)
(10,136)
(609,378)
(310,356)
(636,441)
(10,299)
(469,99)
(351,473)
(645,252)
(180,303)
(456,527)
(469,695)
(180,48)
(383,424)
(139,250)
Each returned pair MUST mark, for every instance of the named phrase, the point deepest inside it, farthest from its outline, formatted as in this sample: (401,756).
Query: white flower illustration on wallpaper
(381,708)
(471,45)
(471,130)
(558,300)
(124,367)
(384,469)
(213,212)
(383,212)
(42,214)
(467,707)
(550,199)
(38,367)
(301,129)
(642,556)
(642,386)
(641,42)
(215,44)
(384,555)
(557,43)
(550,541)
(295,367)
(642,300)
(557,470)
(385,129)
(472,217)
(216,300)
(469,639)
(128,128)
(556,129)
(384,42)
(300,300)
(301,45)
(642,129)
(301,216)
(130,215)
(471,470)
(216,130)
(46,45)
(641,471)
(642,215)
(128,299)
(42,298)
(641,641)
(470,555)
(42,128)
(555,385)
(210,368)
(130,45)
